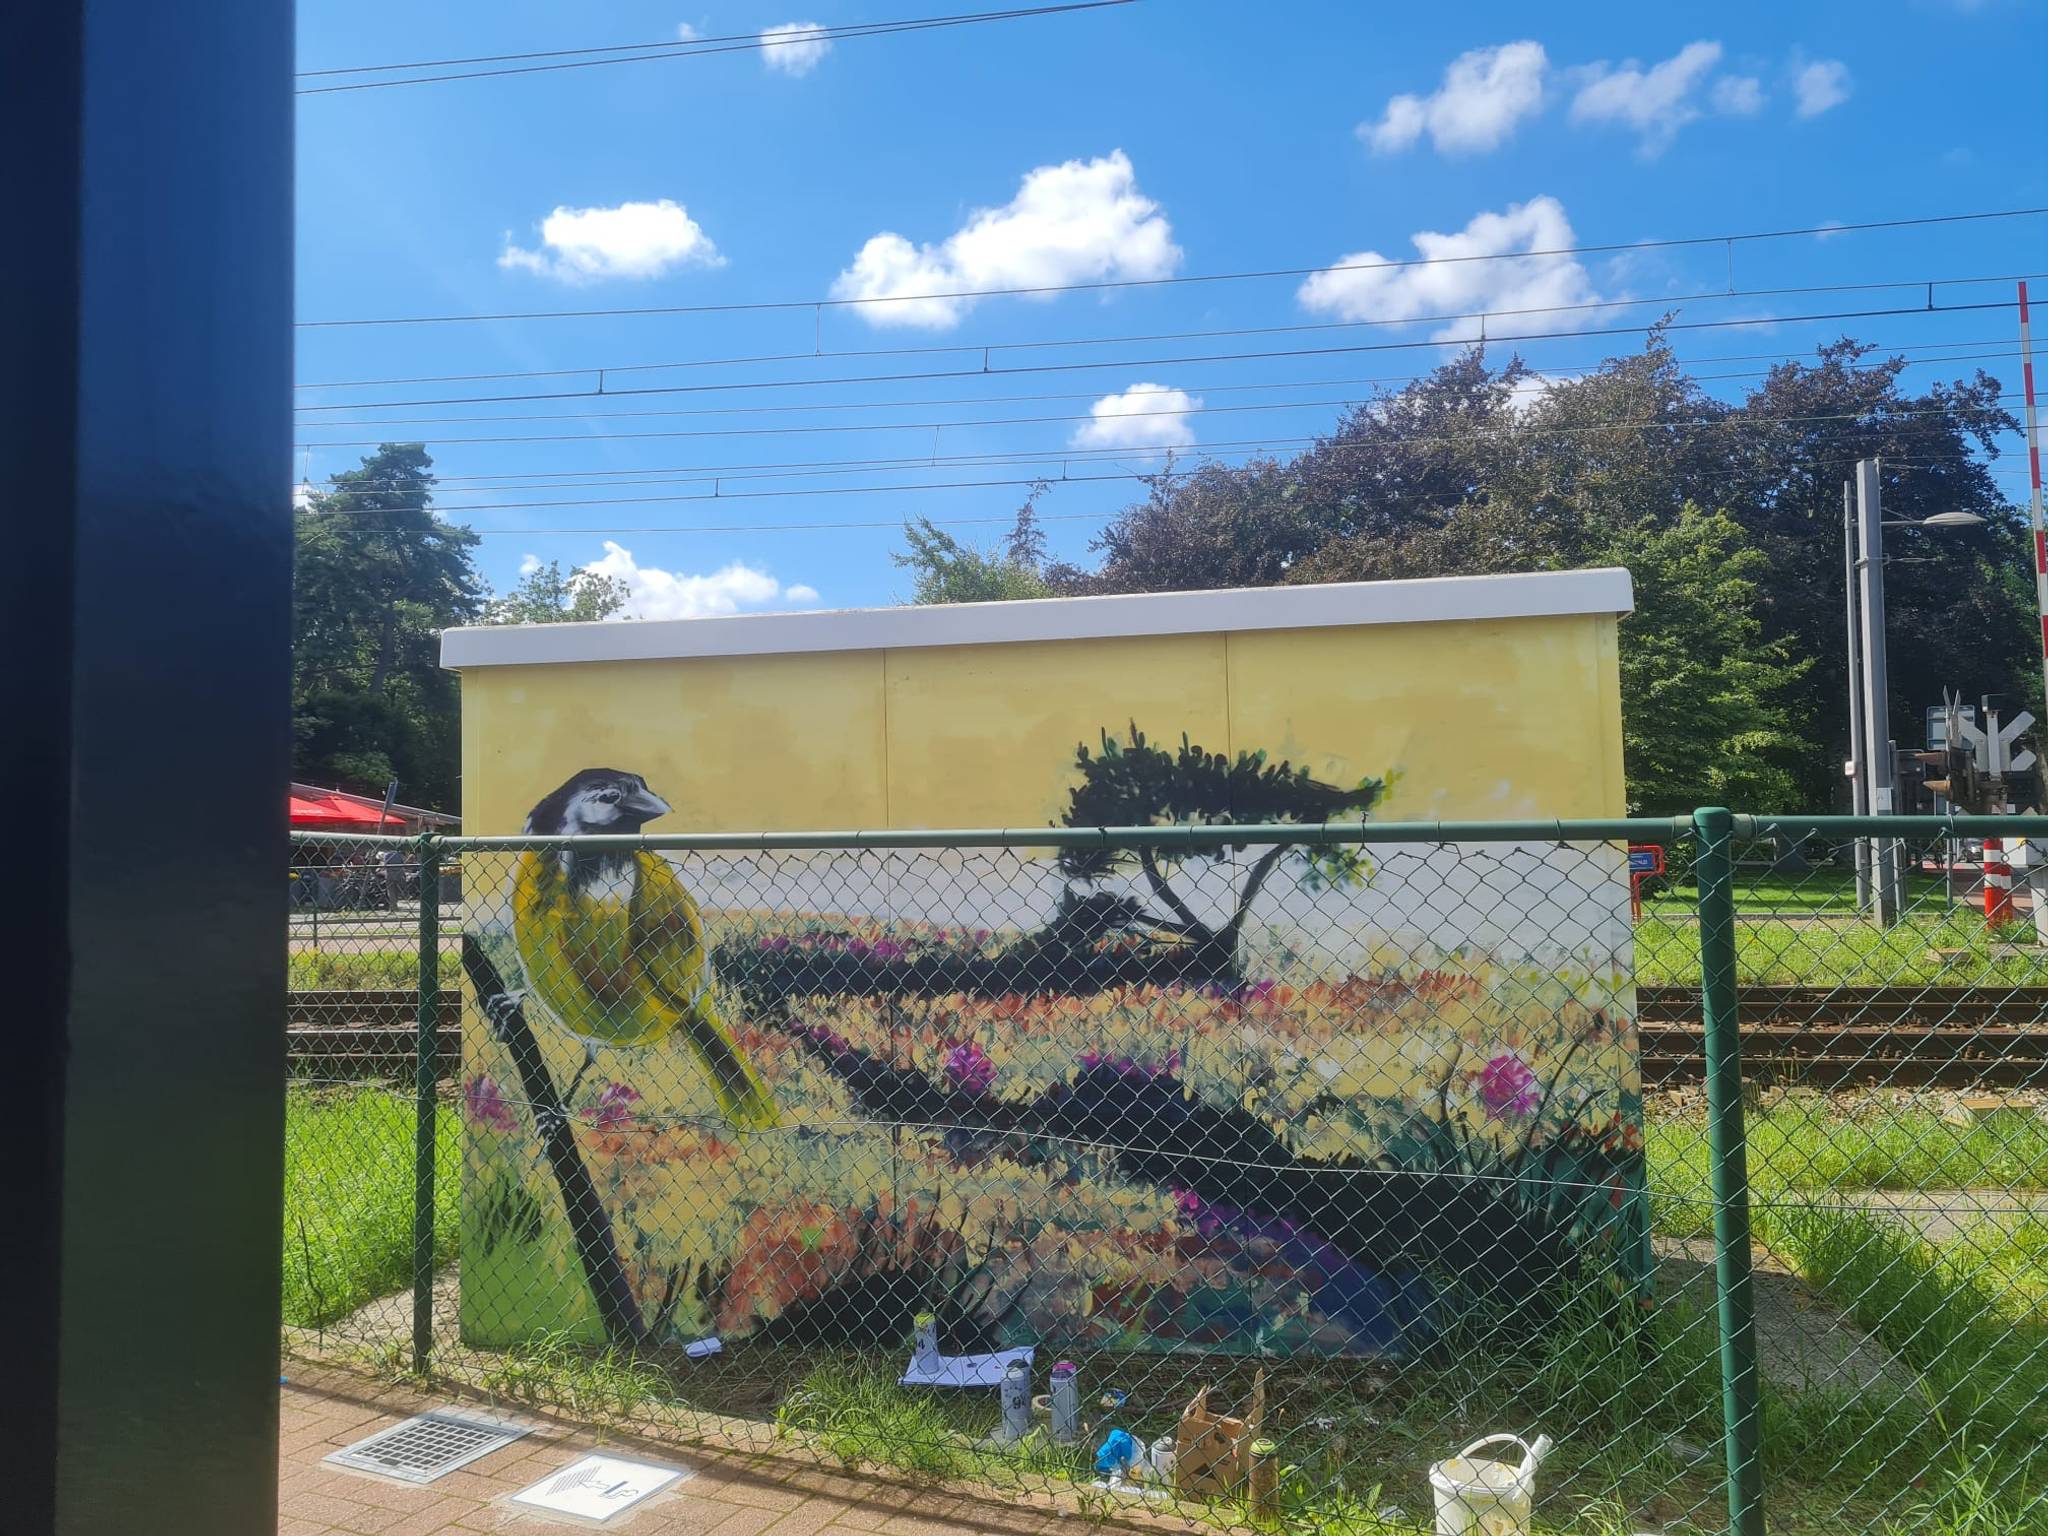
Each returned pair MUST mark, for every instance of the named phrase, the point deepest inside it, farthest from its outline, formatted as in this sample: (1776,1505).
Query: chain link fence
(1317,1153)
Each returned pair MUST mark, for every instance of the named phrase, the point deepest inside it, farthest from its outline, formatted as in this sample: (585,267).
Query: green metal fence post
(426,1086)
(1741,1408)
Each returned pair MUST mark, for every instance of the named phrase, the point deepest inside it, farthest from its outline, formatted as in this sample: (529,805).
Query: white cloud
(1143,416)
(528,564)
(1082,221)
(654,593)
(1443,284)
(1528,391)
(1655,102)
(685,32)
(1820,87)
(802,592)
(1484,94)
(587,245)
(798,57)
(1738,95)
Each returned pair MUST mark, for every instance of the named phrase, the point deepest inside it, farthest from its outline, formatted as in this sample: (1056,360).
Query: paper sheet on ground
(962,1370)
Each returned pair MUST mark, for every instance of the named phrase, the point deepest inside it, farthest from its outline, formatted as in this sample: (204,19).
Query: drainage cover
(424,1448)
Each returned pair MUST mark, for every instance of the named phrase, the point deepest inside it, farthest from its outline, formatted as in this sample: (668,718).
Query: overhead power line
(1263,355)
(1191,388)
(1061,455)
(1102,284)
(670,48)
(890,523)
(990,348)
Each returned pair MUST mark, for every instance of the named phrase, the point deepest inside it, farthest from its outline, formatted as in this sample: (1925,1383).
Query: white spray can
(1016,1400)
(925,1348)
(1066,1403)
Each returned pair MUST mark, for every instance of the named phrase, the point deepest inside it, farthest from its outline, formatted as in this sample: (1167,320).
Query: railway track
(1822,1037)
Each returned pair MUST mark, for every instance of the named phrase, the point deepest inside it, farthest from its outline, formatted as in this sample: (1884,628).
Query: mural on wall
(1272,1097)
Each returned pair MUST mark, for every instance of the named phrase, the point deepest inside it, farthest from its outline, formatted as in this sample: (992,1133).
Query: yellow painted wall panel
(984,735)
(753,743)
(1501,718)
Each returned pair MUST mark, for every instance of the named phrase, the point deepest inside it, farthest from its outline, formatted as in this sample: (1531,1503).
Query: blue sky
(1164,138)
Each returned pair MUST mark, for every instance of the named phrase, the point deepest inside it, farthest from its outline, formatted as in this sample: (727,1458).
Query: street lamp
(1879,880)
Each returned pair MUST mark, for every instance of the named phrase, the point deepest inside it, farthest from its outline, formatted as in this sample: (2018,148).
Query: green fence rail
(1741,1199)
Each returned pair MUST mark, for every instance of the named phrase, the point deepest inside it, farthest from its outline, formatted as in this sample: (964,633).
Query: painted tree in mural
(1138,784)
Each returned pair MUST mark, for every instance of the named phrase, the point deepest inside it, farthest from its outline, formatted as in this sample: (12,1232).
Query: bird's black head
(597,800)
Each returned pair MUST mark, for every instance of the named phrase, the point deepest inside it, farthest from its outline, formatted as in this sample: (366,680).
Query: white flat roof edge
(1435,600)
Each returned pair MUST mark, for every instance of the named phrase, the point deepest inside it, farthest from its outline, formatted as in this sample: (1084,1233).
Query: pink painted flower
(1507,1087)
(613,1110)
(485,1102)
(969,1070)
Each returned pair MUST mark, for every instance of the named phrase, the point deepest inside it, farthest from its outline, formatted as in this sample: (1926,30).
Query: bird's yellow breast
(590,953)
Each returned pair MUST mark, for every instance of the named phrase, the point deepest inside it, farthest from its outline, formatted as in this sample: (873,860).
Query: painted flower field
(1145,1166)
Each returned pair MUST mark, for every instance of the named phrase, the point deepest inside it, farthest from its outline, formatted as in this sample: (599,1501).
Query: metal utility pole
(1859,785)
(1887,881)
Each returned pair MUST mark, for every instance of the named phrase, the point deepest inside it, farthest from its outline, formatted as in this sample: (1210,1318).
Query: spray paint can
(1066,1403)
(926,1337)
(1016,1400)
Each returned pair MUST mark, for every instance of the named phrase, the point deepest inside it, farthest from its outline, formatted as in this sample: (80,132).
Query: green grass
(348,1199)
(554,1369)
(312,970)
(1840,949)
(1810,1146)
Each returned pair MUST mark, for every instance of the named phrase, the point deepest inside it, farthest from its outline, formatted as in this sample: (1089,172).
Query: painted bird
(613,945)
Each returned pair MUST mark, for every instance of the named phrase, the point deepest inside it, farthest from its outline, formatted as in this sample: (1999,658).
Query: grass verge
(348,1198)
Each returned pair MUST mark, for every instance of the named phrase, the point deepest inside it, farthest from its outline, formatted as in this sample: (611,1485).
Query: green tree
(1706,700)
(1137,784)
(376,577)
(1958,602)
(1474,470)
(948,571)
(545,596)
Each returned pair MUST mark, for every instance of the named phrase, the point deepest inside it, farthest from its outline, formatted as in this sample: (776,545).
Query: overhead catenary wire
(989,348)
(747,472)
(1553,372)
(1098,365)
(1096,285)
(1195,407)
(1729,423)
(673,48)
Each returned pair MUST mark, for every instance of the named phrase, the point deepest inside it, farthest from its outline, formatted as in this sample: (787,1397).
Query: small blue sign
(1644,861)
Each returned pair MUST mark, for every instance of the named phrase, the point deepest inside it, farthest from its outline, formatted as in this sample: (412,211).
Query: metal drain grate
(424,1448)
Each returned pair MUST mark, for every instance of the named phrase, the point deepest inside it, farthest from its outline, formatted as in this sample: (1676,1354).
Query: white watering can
(1487,1497)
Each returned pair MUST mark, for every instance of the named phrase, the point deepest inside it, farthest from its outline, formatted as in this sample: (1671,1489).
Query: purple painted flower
(613,1110)
(886,949)
(778,943)
(1507,1087)
(826,1039)
(485,1102)
(969,1070)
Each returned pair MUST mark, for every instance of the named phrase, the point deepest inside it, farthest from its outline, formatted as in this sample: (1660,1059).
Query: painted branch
(596,1246)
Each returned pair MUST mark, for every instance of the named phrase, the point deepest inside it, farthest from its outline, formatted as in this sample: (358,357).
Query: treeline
(1729,515)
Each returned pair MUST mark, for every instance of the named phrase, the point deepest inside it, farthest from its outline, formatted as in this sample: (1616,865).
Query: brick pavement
(324,1408)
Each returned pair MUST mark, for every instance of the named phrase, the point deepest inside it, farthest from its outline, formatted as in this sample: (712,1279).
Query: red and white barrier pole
(2034,463)
(1997,884)
(2037,876)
